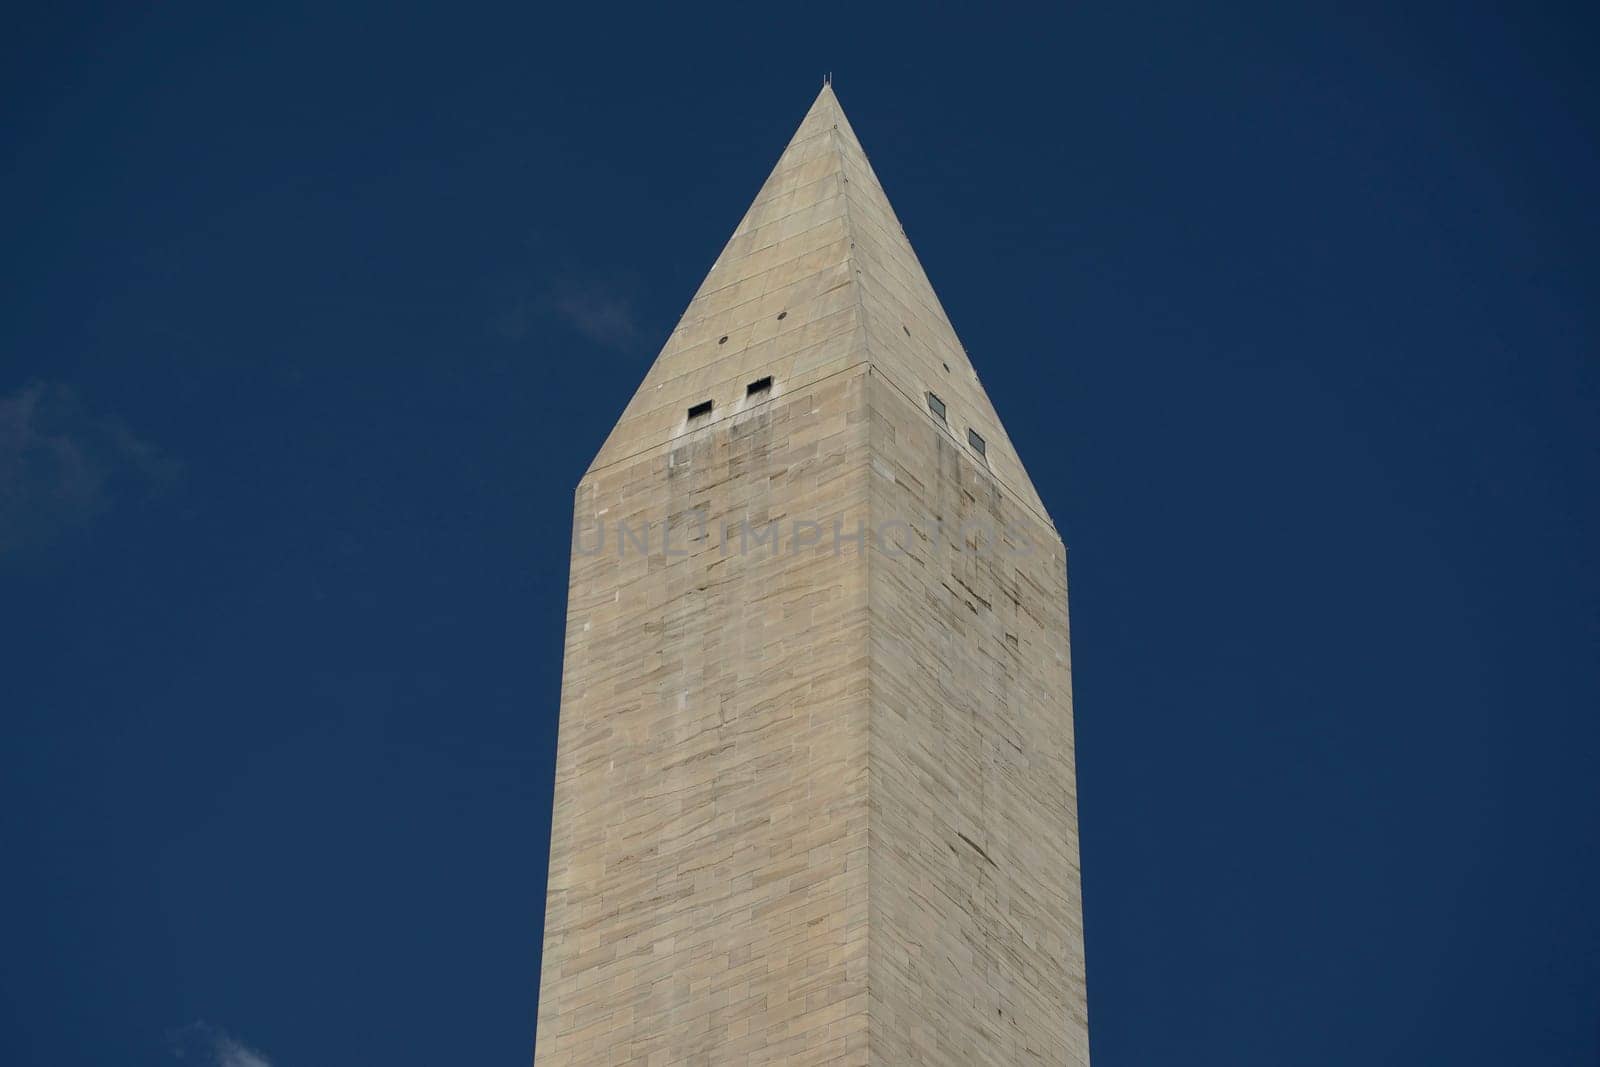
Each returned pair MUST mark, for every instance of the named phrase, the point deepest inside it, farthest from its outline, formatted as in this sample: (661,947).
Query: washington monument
(815,797)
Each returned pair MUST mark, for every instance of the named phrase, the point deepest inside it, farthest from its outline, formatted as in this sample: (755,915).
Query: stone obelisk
(815,796)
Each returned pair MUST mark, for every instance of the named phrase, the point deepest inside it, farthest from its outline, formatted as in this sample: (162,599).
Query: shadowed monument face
(815,799)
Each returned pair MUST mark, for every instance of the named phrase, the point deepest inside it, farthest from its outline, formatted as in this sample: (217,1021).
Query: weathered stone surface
(815,800)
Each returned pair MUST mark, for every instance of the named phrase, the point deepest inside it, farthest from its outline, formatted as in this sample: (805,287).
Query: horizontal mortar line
(686,323)
(938,305)
(778,266)
(911,300)
(724,418)
(900,310)
(737,355)
(733,356)
(702,293)
(798,325)
(814,206)
(1017,497)
(737,233)
(719,262)
(831,175)
(870,364)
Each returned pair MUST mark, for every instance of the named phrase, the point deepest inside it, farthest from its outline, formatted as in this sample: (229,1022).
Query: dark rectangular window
(759,386)
(936,406)
(975,439)
(700,409)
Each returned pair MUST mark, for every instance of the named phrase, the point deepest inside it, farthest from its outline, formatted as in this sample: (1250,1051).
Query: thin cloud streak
(602,313)
(599,313)
(211,1046)
(62,466)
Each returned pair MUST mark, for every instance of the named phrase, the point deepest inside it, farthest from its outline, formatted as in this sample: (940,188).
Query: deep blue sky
(312,319)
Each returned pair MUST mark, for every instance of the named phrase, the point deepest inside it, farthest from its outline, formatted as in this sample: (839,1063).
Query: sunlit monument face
(815,799)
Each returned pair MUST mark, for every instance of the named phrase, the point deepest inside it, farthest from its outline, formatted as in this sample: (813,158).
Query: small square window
(936,406)
(975,439)
(759,387)
(700,410)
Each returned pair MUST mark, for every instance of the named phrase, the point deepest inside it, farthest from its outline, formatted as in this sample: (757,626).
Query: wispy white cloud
(231,1053)
(61,465)
(601,312)
(211,1046)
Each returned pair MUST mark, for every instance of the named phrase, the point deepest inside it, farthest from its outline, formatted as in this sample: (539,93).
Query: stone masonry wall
(707,901)
(976,936)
